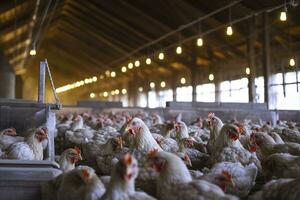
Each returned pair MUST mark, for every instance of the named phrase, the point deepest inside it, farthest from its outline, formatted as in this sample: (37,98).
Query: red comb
(127,159)
(226,174)
(152,153)
(129,119)
(211,115)
(77,149)
(85,173)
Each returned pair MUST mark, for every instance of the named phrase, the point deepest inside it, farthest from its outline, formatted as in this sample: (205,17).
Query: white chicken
(268,146)
(175,182)
(215,125)
(68,159)
(109,154)
(290,135)
(143,139)
(243,178)
(122,183)
(280,189)
(77,123)
(276,137)
(9,136)
(231,150)
(31,148)
(281,165)
(80,183)
(187,146)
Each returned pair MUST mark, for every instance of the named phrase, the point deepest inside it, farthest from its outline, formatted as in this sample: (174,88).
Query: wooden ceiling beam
(108,23)
(92,31)
(7,5)
(127,28)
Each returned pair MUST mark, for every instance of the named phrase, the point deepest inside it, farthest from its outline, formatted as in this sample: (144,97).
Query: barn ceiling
(82,38)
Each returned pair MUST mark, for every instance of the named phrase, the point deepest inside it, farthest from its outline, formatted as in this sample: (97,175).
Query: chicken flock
(122,156)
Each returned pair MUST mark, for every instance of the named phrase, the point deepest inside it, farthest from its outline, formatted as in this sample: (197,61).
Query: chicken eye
(73,153)
(133,123)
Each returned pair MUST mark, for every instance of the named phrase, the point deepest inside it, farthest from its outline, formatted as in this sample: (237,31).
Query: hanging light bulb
(292,62)
(283,14)
(211,77)
(163,84)
(124,69)
(105,94)
(137,63)
(179,50)
(148,61)
(124,91)
(200,42)
(152,85)
(229,30)
(101,77)
(130,65)
(113,74)
(94,79)
(247,70)
(117,91)
(140,89)
(107,73)
(92,95)
(182,80)
(161,56)
(32,51)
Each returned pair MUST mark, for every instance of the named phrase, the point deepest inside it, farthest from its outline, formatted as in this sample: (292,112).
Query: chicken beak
(127,176)
(232,183)
(79,157)
(187,160)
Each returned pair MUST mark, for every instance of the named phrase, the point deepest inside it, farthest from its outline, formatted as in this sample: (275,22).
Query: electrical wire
(41,24)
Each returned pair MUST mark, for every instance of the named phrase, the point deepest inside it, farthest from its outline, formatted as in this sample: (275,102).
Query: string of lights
(161,55)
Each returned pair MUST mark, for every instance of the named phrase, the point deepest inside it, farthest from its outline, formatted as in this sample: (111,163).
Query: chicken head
(41,134)
(9,132)
(232,131)
(133,126)
(73,155)
(224,180)
(127,167)
(117,143)
(156,162)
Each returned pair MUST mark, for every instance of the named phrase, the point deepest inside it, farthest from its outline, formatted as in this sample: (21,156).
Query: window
(259,85)
(124,100)
(164,96)
(142,100)
(184,93)
(152,99)
(206,92)
(234,91)
(291,100)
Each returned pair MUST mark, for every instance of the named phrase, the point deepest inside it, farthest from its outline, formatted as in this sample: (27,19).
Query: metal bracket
(41,90)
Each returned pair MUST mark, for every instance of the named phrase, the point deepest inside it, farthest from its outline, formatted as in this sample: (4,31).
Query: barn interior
(74,70)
